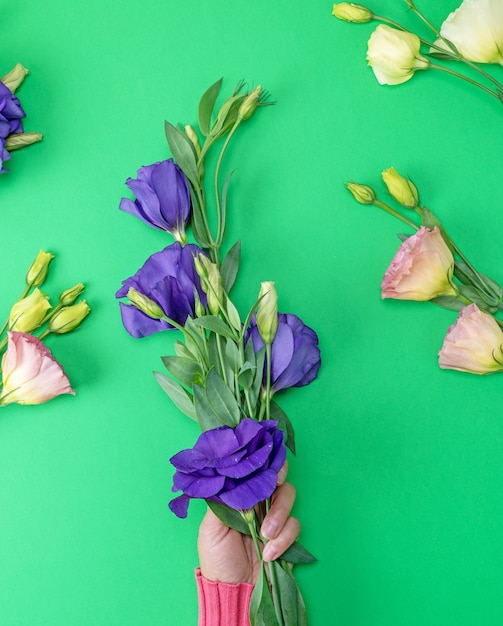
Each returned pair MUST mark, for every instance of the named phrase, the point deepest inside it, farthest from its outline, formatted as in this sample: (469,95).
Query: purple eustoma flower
(295,356)
(169,278)
(162,198)
(234,466)
(11,113)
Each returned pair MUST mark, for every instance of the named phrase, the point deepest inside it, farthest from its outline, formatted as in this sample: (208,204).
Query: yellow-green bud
(211,282)
(249,104)
(350,12)
(38,269)
(28,313)
(198,305)
(402,189)
(70,295)
(20,140)
(194,139)
(145,304)
(69,318)
(15,77)
(267,314)
(248,515)
(362,193)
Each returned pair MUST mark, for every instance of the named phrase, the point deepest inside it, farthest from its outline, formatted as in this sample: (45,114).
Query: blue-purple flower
(162,198)
(169,279)
(295,356)
(11,113)
(234,466)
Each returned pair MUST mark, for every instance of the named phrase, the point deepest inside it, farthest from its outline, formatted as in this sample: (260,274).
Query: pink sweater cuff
(223,604)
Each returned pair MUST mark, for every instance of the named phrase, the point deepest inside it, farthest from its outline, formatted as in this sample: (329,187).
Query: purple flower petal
(247,494)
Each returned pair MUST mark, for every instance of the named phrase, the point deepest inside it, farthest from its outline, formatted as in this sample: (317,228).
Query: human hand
(225,555)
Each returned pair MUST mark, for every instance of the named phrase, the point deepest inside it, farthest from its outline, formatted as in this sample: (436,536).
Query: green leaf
(221,400)
(187,371)
(180,397)
(215,324)
(301,607)
(261,607)
(297,554)
(463,272)
(246,374)
(476,296)
(182,350)
(453,303)
(198,226)
(233,315)
(230,266)
(232,355)
(183,152)
(204,413)
(284,593)
(228,516)
(206,106)
(285,425)
(213,354)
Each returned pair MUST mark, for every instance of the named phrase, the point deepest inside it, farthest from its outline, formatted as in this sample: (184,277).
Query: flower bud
(362,193)
(350,12)
(267,314)
(194,139)
(20,140)
(15,77)
(145,304)
(199,309)
(28,313)
(211,282)
(249,104)
(39,268)
(69,318)
(70,295)
(402,189)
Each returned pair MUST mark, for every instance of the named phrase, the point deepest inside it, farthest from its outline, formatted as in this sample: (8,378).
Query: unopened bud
(349,12)
(39,268)
(16,141)
(15,77)
(69,318)
(69,296)
(249,104)
(194,139)
(402,189)
(267,314)
(145,304)
(362,193)
(211,282)
(28,313)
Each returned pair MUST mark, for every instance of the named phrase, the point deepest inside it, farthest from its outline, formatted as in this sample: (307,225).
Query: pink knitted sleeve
(222,604)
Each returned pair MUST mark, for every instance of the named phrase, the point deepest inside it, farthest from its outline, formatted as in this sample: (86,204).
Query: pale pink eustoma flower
(31,375)
(473,344)
(421,270)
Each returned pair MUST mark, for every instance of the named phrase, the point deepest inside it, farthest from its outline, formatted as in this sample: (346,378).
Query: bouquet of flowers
(228,369)
(430,266)
(30,374)
(12,135)
(472,34)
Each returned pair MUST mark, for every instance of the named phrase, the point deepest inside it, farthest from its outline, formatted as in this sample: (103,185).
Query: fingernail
(269,553)
(269,529)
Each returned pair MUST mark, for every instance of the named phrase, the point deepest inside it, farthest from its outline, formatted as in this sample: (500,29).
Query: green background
(399,465)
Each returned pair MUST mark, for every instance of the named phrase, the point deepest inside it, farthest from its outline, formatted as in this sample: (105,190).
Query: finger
(282,473)
(281,507)
(283,541)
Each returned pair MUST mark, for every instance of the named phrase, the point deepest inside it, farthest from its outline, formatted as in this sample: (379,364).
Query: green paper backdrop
(399,467)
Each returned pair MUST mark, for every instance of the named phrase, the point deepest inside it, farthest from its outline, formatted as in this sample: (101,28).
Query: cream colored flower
(394,55)
(476,29)
(474,344)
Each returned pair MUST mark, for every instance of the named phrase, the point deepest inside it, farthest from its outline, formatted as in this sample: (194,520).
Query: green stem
(448,70)
(220,216)
(396,214)
(268,381)
(221,358)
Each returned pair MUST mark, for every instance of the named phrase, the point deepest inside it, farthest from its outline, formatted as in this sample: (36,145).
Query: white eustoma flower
(394,55)
(476,29)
